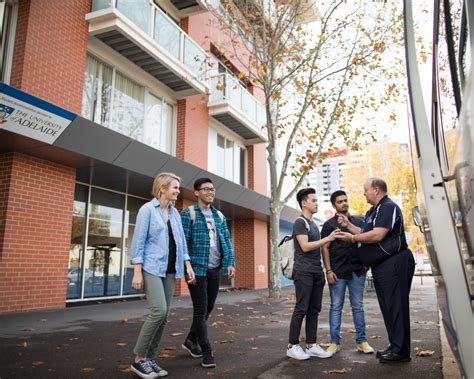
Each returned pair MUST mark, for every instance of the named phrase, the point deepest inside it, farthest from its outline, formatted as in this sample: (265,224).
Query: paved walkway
(248,331)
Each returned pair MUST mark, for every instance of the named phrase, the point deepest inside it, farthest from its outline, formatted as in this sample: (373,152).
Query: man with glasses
(211,253)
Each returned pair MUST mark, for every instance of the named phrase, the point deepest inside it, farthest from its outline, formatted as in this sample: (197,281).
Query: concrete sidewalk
(249,335)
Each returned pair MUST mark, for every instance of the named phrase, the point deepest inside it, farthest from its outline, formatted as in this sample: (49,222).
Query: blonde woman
(159,255)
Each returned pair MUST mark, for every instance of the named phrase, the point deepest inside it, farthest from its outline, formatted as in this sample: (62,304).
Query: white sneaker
(315,350)
(296,352)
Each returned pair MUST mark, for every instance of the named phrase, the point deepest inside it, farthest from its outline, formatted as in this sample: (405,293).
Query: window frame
(9,41)
(147,92)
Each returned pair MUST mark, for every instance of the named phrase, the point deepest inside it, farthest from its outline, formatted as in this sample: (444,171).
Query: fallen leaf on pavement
(121,344)
(37,363)
(28,329)
(351,330)
(24,344)
(302,339)
(424,353)
(184,319)
(176,334)
(219,308)
(125,320)
(263,337)
(226,341)
(249,308)
(124,368)
(169,348)
(375,337)
(217,323)
(254,348)
(220,314)
(230,332)
(360,362)
(337,371)
(275,321)
(324,344)
(164,356)
(87,369)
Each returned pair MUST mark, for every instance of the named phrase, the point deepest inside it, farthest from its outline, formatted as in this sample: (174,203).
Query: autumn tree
(314,76)
(390,161)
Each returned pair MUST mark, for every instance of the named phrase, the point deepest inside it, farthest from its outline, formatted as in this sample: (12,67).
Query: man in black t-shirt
(344,270)
(382,246)
(308,278)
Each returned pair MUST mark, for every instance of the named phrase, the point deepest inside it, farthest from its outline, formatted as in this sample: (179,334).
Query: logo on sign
(5,112)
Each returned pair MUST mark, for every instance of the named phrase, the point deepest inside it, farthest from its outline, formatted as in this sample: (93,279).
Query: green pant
(159,292)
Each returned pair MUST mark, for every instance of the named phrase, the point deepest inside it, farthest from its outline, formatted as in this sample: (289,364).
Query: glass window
(129,107)
(167,129)
(8,14)
(133,205)
(154,118)
(226,158)
(229,159)
(220,155)
(97,95)
(102,259)
(74,276)
(118,103)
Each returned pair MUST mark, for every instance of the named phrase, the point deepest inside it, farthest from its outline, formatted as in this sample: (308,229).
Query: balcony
(235,107)
(187,8)
(144,34)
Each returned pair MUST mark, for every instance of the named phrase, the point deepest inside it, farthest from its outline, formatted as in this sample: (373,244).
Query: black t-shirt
(310,261)
(387,215)
(171,252)
(343,255)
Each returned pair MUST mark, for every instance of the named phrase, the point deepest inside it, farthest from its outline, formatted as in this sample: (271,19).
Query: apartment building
(97,97)
(326,178)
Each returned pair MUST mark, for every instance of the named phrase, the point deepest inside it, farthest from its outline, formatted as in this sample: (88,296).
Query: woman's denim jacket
(150,244)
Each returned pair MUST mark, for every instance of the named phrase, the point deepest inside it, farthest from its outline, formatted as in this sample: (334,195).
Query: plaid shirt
(197,238)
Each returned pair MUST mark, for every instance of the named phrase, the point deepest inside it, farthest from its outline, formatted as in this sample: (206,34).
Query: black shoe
(192,348)
(208,360)
(392,357)
(379,353)
(143,369)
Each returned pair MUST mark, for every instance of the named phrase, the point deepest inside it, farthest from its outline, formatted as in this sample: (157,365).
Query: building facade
(145,89)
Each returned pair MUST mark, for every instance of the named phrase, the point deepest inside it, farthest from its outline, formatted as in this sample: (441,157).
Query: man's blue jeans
(337,292)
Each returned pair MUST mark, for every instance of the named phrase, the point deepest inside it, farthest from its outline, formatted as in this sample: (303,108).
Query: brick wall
(35,216)
(251,251)
(192,131)
(50,50)
(257,171)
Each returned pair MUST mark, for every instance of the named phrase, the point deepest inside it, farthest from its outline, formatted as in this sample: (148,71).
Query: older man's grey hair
(378,183)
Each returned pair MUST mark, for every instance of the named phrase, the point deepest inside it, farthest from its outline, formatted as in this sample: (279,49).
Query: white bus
(442,150)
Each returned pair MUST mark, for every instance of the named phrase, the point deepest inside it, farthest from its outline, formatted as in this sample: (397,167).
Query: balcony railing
(224,87)
(162,29)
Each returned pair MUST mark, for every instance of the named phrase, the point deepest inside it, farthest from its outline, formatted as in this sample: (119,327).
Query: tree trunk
(274,290)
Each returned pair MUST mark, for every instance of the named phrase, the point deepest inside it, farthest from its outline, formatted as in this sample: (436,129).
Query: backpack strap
(305,222)
(192,214)
(221,215)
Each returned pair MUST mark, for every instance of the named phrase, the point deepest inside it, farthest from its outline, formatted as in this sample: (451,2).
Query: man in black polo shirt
(382,246)
(344,270)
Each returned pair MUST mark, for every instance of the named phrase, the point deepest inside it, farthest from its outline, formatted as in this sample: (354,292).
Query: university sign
(29,116)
